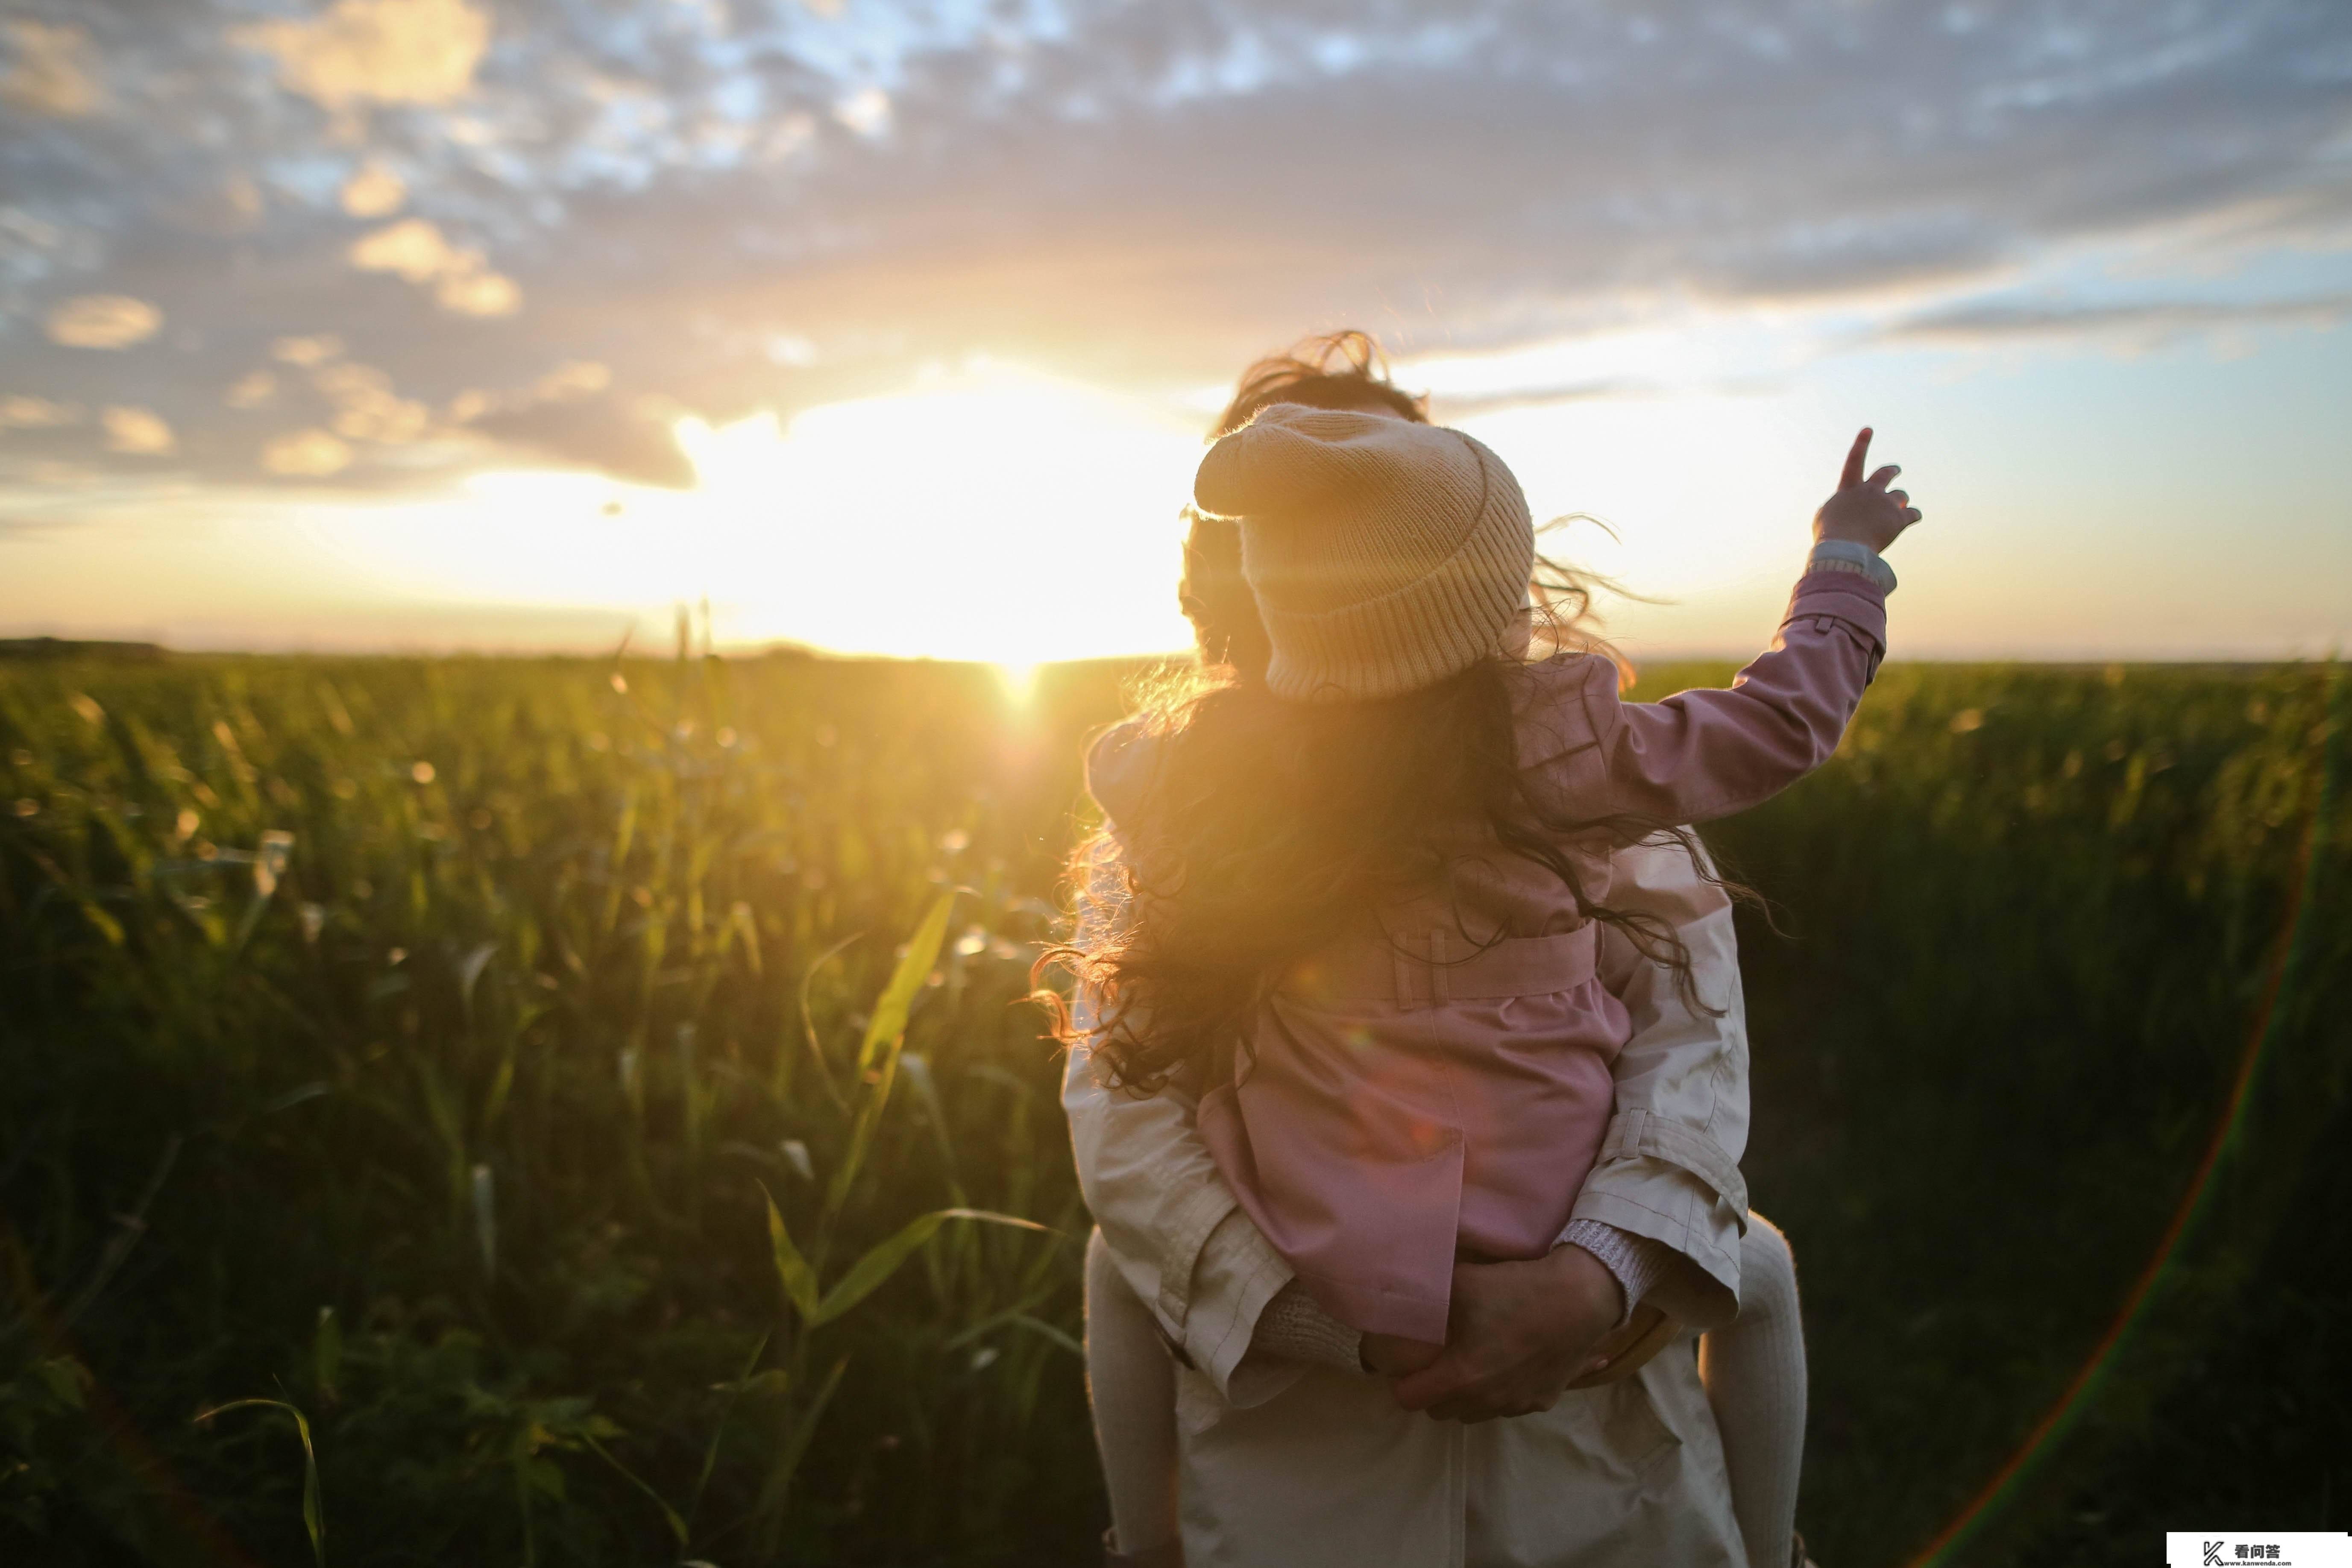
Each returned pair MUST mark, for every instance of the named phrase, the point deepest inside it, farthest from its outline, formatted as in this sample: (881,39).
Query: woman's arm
(1668,1172)
(1207,1273)
(1173,1227)
(1669,1167)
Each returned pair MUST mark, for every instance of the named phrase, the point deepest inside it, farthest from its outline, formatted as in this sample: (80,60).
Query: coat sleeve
(1173,1226)
(1669,1171)
(1669,1165)
(1709,754)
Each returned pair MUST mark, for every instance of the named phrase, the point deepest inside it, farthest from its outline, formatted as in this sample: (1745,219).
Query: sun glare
(1020,681)
(996,514)
(992,514)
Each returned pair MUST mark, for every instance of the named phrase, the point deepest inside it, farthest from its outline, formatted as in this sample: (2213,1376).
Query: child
(1364,900)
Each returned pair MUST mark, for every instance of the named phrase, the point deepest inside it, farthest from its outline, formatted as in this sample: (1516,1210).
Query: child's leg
(1131,1383)
(1755,1374)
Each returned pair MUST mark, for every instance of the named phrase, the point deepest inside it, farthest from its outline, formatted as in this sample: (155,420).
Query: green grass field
(537,1076)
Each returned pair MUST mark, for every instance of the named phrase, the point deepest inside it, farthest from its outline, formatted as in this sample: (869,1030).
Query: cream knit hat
(1385,556)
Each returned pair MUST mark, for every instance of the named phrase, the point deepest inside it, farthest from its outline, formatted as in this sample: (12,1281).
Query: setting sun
(990,513)
(993,514)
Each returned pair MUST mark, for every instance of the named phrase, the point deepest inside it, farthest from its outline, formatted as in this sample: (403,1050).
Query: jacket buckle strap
(1422,982)
(1636,1133)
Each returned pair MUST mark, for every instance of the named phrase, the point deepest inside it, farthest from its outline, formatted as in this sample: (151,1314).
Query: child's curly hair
(1273,829)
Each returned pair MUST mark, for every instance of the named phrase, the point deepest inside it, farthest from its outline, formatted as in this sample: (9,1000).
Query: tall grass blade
(669,1515)
(792,1270)
(869,1273)
(314,1511)
(808,1020)
(789,1452)
(327,1354)
(877,1054)
(888,1021)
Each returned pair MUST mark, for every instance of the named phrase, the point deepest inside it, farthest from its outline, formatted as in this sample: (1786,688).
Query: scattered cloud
(367,406)
(314,349)
(23,413)
(1453,408)
(140,431)
(413,248)
(473,291)
(54,71)
(865,111)
(732,208)
(572,378)
(416,250)
(1991,321)
(306,454)
(254,389)
(629,439)
(103,322)
(374,190)
(377,51)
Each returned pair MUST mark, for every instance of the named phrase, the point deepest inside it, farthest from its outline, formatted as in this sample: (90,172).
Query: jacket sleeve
(1709,754)
(1172,1225)
(1669,1170)
(1669,1165)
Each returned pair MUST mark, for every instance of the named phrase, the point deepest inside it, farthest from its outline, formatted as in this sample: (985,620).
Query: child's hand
(1864,512)
(1391,1355)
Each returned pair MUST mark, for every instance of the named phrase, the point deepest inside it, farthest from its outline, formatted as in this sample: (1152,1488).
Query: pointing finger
(1856,456)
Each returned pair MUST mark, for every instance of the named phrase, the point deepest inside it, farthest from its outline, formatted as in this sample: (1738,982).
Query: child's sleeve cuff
(1637,1261)
(1847,555)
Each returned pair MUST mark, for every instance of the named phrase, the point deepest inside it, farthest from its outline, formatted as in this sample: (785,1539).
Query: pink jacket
(1428,1091)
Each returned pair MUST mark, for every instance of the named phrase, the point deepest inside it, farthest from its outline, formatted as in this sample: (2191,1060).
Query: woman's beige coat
(1291,1467)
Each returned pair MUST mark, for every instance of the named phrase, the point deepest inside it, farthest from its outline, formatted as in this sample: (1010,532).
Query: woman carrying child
(1401,1023)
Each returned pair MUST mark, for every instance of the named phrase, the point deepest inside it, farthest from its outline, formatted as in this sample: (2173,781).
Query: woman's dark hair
(1339,370)
(1271,828)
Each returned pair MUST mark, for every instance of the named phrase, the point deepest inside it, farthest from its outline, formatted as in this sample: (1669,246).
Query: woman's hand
(1864,512)
(1521,1332)
(1393,1355)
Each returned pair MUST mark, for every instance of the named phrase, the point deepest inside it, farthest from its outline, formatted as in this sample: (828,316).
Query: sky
(888,327)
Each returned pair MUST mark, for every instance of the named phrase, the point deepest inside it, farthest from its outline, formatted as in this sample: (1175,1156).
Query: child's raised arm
(1709,754)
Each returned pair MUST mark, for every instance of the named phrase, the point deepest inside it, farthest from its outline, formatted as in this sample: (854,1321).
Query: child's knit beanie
(1385,556)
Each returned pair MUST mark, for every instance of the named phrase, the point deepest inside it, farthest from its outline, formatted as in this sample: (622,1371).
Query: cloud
(313,349)
(865,111)
(23,413)
(379,51)
(471,291)
(103,322)
(138,431)
(413,248)
(1992,322)
(615,435)
(367,406)
(416,250)
(768,206)
(54,71)
(1453,408)
(252,390)
(373,190)
(306,454)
